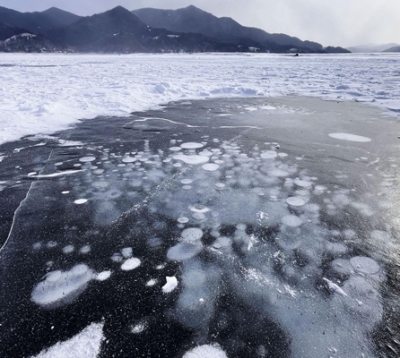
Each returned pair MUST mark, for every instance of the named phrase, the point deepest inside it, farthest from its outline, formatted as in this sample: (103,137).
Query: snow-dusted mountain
(193,19)
(147,30)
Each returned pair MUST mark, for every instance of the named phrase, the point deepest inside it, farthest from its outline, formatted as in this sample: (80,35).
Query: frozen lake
(256,227)
(43,93)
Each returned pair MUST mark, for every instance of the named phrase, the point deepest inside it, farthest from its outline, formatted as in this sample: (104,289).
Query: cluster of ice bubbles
(278,256)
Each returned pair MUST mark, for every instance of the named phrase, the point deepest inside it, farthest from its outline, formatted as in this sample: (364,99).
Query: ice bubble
(364,265)
(198,216)
(53,276)
(126,252)
(192,145)
(65,192)
(60,288)
(342,266)
(365,304)
(139,328)
(151,282)
(206,153)
(129,159)
(198,208)
(210,167)
(104,275)
(175,149)
(269,154)
(130,264)
(291,220)
(51,244)
(192,234)
(85,249)
(87,159)
(177,165)
(186,181)
(336,248)
(171,284)
(183,220)
(303,183)
(183,251)
(191,159)
(187,187)
(80,201)
(219,186)
(37,246)
(206,351)
(295,201)
(349,137)
(68,249)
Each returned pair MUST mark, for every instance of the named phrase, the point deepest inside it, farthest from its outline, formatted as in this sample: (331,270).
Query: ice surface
(41,98)
(86,344)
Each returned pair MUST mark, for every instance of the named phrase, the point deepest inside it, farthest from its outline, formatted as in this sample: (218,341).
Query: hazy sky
(329,22)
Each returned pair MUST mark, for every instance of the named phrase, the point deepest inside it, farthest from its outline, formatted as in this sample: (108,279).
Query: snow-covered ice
(44,93)
(86,344)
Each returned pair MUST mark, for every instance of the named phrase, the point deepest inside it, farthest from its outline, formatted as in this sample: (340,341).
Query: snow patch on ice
(85,344)
(172,283)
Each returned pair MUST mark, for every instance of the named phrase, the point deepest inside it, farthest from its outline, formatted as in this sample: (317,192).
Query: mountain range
(145,30)
(390,47)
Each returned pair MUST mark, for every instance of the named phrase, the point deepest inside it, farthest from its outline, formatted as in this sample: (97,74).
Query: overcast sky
(329,22)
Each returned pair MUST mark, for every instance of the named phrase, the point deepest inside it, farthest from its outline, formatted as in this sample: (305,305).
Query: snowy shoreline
(45,93)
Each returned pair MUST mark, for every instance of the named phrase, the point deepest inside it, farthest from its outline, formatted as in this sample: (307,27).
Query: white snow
(85,344)
(37,99)
(172,283)
(349,137)
(206,351)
